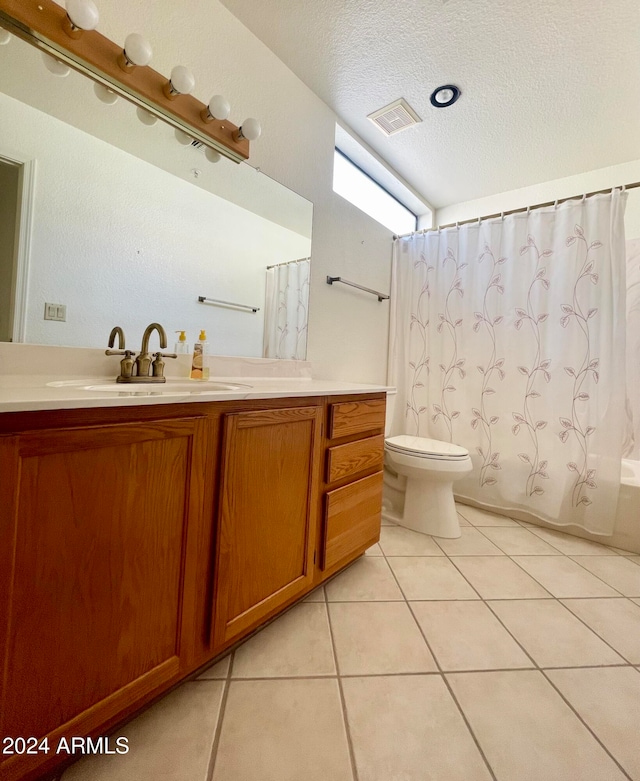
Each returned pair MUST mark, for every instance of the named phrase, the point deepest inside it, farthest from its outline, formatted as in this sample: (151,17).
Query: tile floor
(508,654)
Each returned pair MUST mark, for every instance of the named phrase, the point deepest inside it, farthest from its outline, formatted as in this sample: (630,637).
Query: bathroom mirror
(110,221)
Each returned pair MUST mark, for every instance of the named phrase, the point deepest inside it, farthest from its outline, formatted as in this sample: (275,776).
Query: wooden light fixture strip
(44,24)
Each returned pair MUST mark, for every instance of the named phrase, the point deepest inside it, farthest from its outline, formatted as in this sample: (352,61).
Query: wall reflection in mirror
(122,225)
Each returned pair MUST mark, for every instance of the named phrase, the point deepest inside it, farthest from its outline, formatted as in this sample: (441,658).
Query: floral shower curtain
(508,338)
(287,311)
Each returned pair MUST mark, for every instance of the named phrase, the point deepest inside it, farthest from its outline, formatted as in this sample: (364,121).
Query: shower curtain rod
(518,211)
(288,262)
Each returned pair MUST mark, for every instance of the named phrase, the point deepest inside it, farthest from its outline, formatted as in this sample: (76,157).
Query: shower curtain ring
(584,197)
(555,205)
(528,210)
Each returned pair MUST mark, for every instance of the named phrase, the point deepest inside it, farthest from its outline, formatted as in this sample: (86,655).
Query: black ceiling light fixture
(444,96)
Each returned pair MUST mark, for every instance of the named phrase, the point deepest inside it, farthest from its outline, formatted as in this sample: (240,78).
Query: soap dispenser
(181,346)
(200,360)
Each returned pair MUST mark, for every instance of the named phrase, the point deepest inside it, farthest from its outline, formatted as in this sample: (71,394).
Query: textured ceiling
(550,88)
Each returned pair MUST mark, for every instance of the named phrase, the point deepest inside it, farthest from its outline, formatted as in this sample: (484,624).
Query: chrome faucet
(148,370)
(145,368)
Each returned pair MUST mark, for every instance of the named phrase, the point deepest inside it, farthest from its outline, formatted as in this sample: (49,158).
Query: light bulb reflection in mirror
(55,66)
(211,155)
(5,36)
(146,117)
(183,138)
(105,94)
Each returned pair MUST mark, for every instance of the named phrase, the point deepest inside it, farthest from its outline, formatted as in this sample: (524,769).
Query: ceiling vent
(395,117)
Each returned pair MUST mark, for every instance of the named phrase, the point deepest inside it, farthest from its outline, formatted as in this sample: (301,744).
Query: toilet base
(429,508)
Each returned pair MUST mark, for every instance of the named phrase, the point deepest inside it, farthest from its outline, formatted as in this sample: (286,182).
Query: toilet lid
(425,448)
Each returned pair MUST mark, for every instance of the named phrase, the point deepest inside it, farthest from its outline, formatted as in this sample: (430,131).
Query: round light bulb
(146,117)
(444,96)
(182,80)
(137,50)
(55,66)
(83,14)
(250,129)
(183,138)
(5,36)
(105,94)
(219,107)
(211,155)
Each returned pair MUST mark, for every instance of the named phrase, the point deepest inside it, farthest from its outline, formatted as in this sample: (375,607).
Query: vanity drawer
(354,457)
(351,519)
(355,417)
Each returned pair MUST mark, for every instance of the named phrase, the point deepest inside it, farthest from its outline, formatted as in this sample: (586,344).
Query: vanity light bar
(44,24)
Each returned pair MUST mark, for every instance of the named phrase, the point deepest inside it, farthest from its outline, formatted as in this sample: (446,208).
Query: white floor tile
(283,730)
(470,543)
(618,572)
(497,577)
(608,699)
(467,636)
(430,577)
(218,671)
(367,579)
(297,643)
(317,595)
(170,741)
(478,517)
(397,541)
(373,638)
(528,733)
(617,621)
(374,550)
(570,545)
(552,635)
(408,728)
(518,542)
(562,577)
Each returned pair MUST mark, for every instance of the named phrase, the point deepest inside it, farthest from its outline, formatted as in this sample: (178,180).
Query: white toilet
(430,468)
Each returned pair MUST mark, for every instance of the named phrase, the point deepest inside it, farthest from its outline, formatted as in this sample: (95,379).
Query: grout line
(567,702)
(444,680)
(343,702)
(218,732)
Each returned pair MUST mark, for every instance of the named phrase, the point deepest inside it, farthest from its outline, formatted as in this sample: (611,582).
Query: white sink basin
(170,387)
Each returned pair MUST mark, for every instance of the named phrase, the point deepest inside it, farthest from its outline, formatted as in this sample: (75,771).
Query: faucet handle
(157,367)
(128,353)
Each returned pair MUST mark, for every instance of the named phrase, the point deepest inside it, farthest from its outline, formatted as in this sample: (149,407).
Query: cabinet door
(95,524)
(267,520)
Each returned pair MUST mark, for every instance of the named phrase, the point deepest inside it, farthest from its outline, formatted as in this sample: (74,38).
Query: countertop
(24,393)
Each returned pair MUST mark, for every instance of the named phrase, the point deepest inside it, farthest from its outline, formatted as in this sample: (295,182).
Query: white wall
(120,241)
(589,181)
(348,330)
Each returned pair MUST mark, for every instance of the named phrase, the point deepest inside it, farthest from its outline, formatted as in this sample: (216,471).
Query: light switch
(55,312)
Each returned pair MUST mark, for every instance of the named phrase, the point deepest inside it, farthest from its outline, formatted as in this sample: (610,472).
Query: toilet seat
(421,447)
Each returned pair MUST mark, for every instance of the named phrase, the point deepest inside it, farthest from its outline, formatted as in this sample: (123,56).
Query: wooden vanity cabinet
(99,529)
(138,543)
